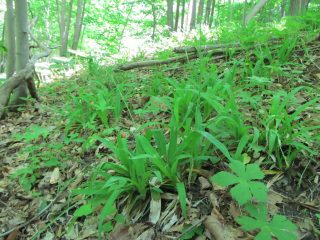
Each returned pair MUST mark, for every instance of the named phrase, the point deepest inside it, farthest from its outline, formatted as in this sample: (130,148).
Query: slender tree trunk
(298,7)
(47,18)
(207,15)
(154,16)
(177,16)
(78,24)
(170,14)
(212,13)
(62,24)
(183,13)
(10,39)
(3,55)
(22,48)
(255,10)
(244,12)
(200,11)
(283,8)
(193,15)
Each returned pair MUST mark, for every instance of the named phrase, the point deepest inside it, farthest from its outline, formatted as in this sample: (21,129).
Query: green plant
(279,227)
(286,134)
(245,188)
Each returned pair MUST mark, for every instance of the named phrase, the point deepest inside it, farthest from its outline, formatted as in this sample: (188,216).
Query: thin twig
(22,225)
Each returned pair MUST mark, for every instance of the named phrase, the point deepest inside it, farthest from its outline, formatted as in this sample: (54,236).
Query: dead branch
(204,48)
(181,59)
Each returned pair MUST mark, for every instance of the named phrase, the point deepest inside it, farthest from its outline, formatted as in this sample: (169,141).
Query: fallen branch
(181,59)
(222,47)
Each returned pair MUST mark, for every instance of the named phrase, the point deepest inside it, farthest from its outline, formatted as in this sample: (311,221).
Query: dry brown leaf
(204,183)
(147,235)
(155,209)
(218,230)
(234,211)
(273,199)
(55,176)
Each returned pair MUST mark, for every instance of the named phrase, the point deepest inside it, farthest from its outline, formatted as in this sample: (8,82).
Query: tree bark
(10,39)
(79,22)
(170,14)
(207,15)
(212,13)
(16,80)
(193,15)
(154,16)
(177,16)
(62,24)
(255,10)
(22,49)
(298,7)
(200,11)
(283,8)
(183,13)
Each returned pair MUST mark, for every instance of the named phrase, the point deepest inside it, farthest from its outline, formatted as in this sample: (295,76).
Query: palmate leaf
(245,188)
(279,227)
(225,179)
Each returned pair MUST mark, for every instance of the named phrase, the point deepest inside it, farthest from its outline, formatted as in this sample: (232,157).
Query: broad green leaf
(259,191)
(84,210)
(253,171)
(241,193)
(225,179)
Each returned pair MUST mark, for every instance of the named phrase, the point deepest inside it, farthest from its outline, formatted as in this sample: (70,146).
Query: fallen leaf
(55,176)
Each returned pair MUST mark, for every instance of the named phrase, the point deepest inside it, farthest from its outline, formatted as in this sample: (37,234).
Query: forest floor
(39,166)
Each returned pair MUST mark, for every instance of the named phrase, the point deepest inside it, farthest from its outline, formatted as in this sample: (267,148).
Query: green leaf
(182,198)
(253,171)
(245,189)
(241,193)
(217,143)
(84,210)
(259,191)
(279,227)
(225,179)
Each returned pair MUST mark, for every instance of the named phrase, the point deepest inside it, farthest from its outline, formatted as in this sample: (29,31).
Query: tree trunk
(212,13)
(170,14)
(62,24)
(183,13)
(10,39)
(78,24)
(298,7)
(200,11)
(193,15)
(154,23)
(22,49)
(255,10)
(207,15)
(177,16)
(244,12)
(283,8)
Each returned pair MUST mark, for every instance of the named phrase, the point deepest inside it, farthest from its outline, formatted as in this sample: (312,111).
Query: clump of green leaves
(253,195)
(245,188)
(39,156)
(279,227)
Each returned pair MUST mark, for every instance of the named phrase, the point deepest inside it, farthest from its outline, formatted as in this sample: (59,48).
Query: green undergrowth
(152,133)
